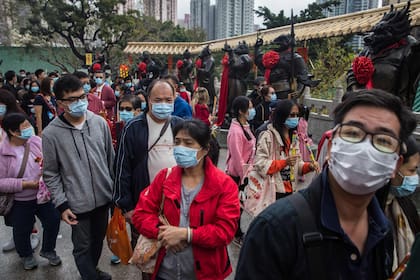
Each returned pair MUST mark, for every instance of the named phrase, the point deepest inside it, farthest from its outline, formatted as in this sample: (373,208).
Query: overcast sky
(273,5)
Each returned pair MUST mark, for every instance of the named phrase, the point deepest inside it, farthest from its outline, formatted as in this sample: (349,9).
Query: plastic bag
(117,237)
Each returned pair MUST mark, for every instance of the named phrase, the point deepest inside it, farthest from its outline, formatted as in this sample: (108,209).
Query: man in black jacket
(350,228)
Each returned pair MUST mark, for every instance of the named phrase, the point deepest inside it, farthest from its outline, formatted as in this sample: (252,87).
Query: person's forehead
(161,89)
(99,74)
(374,119)
(125,104)
(76,93)
(84,80)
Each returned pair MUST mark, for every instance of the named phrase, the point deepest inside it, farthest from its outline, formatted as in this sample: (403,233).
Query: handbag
(117,236)
(146,251)
(43,195)
(6,199)
(258,192)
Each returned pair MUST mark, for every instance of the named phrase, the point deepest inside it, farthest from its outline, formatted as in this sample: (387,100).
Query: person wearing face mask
(146,147)
(105,93)
(95,104)
(348,235)
(20,156)
(287,164)
(396,200)
(201,205)
(78,171)
(129,87)
(262,110)
(240,144)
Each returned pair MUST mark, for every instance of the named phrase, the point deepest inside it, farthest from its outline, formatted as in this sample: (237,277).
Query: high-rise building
(129,5)
(163,10)
(234,17)
(351,6)
(200,13)
(389,2)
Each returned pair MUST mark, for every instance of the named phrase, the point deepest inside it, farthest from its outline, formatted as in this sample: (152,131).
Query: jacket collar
(7,149)
(276,134)
(208,190)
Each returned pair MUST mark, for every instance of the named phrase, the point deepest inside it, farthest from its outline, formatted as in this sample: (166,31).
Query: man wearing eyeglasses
(335,228)
(78,159)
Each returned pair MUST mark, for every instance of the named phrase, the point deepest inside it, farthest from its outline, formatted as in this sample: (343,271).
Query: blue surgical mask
(143,106)
(408,186)
(162,110)
(27,87)
(117,93)
(55,79)
(27,133)
(292,122)
(99,81)
(52,89)
(128,85)
(185,157)
(86,88)
(78,108)
(3,110)
(125,116)
(273,97)
(34,89)
(251,114)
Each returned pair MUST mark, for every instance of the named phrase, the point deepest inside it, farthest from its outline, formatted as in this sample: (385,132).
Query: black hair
(8,99)
(265,90)
(258,80)
(380,99)
(81,74)
(411,148)
(201,133)
(46,86)
(128,78)
(172,78)
(39,72)
(11,122)
(66,84)
(53,75)
(134,100)
(241,103)
(9,75)
(281,114)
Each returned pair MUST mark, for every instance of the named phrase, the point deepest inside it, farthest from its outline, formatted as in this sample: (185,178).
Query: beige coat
(264,157)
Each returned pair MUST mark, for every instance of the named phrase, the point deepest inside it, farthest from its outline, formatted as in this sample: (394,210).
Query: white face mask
(359,168)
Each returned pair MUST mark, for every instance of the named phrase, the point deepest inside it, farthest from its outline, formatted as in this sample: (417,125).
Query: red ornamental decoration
(225,60)
(198,63)
(363,69)
(179,64)
(142,67)
(270,59)
(96,67)
(123,70)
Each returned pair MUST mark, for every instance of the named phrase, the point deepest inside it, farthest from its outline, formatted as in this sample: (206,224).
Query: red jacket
(214,215)
(109,100)
(201,112)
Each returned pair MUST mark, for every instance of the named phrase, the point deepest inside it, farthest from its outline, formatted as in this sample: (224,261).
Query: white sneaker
(9,246)
(34,241)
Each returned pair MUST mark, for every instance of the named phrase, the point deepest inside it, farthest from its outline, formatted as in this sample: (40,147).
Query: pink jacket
(10,162)
(240,150)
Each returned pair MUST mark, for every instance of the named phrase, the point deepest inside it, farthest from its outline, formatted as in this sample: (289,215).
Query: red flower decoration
(225,60)
(142,67)
(270,59)
(179,64)
(198,63)
(96,67)
(363,69)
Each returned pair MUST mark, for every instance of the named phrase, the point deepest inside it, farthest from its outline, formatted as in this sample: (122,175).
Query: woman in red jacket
(201,205)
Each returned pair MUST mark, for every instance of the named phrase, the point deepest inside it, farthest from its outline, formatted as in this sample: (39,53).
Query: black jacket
(273,248)
(131,170)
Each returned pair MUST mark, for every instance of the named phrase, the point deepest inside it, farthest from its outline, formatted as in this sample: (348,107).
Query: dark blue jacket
(132,175)
(182,109)
(273,248)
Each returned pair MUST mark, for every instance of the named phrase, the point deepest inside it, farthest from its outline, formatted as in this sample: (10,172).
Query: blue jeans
(87,237)
(22,217)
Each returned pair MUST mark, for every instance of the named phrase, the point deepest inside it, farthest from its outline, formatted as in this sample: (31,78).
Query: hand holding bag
(146,251)
(6,199)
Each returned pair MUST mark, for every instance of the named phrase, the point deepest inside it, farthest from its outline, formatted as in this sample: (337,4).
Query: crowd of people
(151,152)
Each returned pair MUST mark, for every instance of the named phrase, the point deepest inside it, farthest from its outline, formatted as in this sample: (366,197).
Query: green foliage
(331,68)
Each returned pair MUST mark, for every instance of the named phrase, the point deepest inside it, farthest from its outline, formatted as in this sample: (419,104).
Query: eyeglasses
(128,109)
(294,115)
(75,98)
(383,142)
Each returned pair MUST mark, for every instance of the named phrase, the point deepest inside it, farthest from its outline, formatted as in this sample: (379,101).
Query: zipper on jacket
(228,260)
(201,217)
(90,167)
(177,203)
